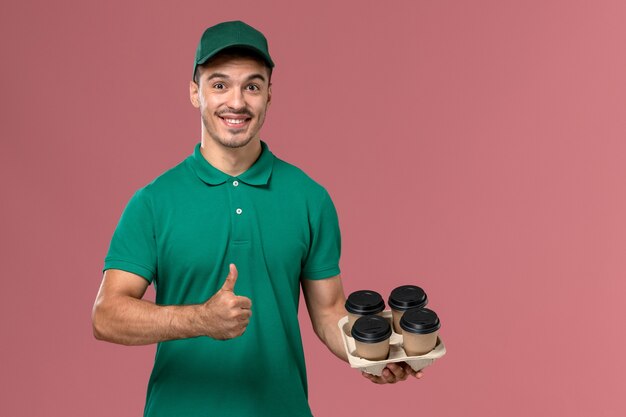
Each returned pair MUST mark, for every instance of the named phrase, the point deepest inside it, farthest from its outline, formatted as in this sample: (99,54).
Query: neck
(231,161)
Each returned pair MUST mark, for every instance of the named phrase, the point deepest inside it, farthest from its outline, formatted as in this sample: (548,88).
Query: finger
(375,379)
(243,302)
(397,371)
(231,279)
(388,376)
(239,331)
(408,369)
(244,315)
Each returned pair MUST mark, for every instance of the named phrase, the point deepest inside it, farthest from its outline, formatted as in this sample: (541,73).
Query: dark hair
(235,52)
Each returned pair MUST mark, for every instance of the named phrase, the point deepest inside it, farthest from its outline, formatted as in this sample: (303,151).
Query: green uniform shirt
(182,231)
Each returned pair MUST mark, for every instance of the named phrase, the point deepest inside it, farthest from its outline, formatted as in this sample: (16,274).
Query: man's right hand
(225,315)
(120,315)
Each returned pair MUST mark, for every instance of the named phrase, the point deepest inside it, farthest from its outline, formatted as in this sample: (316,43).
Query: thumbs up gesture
(226,315)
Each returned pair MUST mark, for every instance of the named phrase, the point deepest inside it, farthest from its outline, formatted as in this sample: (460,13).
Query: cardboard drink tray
(396,352)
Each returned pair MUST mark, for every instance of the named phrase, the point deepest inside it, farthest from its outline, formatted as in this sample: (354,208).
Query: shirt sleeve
(133,246)
(322,260)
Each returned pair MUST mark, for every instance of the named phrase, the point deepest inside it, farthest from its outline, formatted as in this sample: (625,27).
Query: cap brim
(237,45)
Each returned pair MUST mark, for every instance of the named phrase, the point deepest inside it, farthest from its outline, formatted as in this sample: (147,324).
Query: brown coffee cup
(363,303)
(420,328)
(371,336)
(405,298)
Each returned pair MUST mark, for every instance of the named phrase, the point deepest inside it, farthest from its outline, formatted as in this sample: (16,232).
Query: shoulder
(289,175)
(167,183)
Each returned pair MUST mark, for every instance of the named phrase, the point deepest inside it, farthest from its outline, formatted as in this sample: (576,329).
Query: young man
(227,237)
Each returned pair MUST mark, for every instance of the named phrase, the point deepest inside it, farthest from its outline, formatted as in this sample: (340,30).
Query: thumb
(231,279)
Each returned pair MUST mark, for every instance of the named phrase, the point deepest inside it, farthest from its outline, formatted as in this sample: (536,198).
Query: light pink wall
(474,148)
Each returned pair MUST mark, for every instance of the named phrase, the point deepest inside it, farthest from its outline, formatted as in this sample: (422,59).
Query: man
(227,346)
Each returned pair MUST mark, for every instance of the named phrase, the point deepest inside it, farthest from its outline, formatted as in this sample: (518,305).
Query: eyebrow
(225,76)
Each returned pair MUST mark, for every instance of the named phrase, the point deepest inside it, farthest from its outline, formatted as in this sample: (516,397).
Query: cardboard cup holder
(396,352)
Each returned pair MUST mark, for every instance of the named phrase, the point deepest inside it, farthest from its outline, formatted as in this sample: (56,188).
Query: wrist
(183,321)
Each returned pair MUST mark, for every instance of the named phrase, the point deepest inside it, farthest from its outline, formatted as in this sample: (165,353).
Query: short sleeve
(133,246)
(322,260)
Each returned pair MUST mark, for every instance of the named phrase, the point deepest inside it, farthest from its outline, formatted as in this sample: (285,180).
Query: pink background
(476,149)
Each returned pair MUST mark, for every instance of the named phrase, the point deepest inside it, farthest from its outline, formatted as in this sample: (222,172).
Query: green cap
(227,35)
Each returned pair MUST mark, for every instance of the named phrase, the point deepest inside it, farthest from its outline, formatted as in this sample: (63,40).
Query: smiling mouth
(235,122)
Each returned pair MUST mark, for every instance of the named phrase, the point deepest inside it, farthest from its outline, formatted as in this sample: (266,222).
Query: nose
(236,99)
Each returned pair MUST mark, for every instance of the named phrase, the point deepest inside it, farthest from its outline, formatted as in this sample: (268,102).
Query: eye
(252,87)
(219,86)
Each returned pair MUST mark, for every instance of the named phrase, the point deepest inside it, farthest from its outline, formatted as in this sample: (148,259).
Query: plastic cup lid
(406,297)
(420,321)
(365,302)
(371,329)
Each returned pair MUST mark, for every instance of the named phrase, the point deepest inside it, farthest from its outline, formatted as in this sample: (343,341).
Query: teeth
(235,121)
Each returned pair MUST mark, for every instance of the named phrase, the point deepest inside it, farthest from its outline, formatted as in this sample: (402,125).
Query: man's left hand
(394,372)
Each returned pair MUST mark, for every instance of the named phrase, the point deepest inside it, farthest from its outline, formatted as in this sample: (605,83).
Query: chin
(235,143)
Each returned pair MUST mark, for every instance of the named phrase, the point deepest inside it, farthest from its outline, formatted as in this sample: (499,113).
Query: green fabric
(228,35)
(181,231)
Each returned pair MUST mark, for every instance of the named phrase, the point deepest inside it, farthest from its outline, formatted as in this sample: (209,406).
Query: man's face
(232,94)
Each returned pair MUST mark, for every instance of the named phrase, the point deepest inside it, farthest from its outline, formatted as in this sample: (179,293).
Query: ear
(193,94)
(269,94)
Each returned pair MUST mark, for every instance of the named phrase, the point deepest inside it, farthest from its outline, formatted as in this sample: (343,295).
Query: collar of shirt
(258,174)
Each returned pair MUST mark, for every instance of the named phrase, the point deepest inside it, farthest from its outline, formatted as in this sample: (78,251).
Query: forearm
(329,333)
(325,301)
(131,321)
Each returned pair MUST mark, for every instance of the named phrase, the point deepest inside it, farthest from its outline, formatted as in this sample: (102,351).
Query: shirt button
(235,183)
(238,211)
